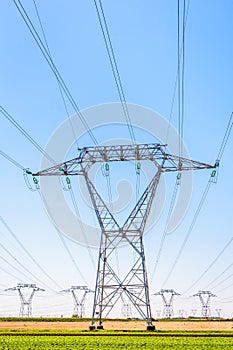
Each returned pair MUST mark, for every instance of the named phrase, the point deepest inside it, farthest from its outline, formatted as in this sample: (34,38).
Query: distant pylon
(126,311)
(167,297)
(194,311)
(204,296)
(79,307)
(26,300)
(218,312)
(181,313)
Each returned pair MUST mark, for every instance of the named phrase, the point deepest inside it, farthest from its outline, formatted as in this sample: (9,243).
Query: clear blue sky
(144,36)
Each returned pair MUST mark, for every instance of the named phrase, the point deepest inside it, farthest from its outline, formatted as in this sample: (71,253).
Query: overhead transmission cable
(23,168)
(114,66)
(58,82)
(63,240)
(10,273)
(11,160)
(118,81)
(25,134)
(219,275)
(73,199)
(181,111)
(53,67)
(173,199)
(5,224)
(203,198)
(60,87)
(18,262)
(180,50)
(77,212)
(221,282)
(210,265)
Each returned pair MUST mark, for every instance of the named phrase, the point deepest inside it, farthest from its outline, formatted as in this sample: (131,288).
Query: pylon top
(26,285)
(84,288)
(201,292)
(163,291)
(153,152)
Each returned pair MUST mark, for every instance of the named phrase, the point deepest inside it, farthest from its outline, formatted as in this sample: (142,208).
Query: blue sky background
(144,35)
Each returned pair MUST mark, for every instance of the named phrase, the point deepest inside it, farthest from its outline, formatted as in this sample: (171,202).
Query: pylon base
(100,326)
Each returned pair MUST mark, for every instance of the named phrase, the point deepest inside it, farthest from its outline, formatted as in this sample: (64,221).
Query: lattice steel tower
(167,297)
(79,307)
(204,296)
(26,300)
(109,286)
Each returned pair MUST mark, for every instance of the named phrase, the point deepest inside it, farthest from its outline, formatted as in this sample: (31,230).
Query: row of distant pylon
(79,301)
(26,298)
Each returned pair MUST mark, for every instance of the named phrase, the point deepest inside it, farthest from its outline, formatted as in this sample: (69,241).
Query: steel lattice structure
(109,286)
(79,307)
(26,301)
(167,297)
(204,296)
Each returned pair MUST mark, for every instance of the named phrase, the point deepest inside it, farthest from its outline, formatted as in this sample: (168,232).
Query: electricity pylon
(79,307)
(194,311)
(26,300)
(109,286)
(126,311)
(204,296)
(167,297)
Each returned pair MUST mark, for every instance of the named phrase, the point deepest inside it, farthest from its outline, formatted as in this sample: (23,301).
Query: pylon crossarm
(176,163)
(88,156)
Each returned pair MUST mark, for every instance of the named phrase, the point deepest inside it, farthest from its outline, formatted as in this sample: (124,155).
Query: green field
(114,342)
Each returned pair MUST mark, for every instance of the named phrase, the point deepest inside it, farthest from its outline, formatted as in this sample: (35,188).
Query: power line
(203,198)
(25,134)
(11,160)
(173,199)
(52,66)
(197,212)
(58,83)
(219,275)
(28,253)
(81,224)
(75,139)
(226,137)
(180,50)
(18,262)
(9,273)
(221,282)
(114,66)
(63,240)
(210,265)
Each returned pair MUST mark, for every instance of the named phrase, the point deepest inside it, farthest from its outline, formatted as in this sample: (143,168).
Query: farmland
(69,334)
(114,342)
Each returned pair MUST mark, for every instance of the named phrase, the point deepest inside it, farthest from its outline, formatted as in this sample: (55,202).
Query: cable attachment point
(214,174)
(138,168)
(65,186)
(32,187)
(178,178)
(105,169)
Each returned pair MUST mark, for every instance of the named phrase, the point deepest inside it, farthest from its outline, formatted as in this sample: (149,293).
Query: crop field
(46,334)
(113,342)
